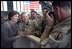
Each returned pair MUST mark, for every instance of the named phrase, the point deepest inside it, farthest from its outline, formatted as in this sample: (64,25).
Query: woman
(8,30)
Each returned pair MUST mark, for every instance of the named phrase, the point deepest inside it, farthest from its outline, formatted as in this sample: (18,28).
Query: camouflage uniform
(36,27)
(35,30)
(60,37)
(22,26)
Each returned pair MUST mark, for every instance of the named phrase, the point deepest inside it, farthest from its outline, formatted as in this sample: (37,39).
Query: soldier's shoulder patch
(56,35)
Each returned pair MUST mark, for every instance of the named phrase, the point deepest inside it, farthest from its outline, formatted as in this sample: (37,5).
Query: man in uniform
(60,36)
(35,27)
(35,23)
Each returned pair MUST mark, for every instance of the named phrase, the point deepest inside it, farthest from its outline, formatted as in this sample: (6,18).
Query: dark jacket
(8,31)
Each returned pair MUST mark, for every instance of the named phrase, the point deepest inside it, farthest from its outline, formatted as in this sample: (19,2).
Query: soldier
(39,25)
(22,42)
(45,10)
(34,24)
(60,36)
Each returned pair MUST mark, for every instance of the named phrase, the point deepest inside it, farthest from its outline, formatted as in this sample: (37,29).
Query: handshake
(22,34)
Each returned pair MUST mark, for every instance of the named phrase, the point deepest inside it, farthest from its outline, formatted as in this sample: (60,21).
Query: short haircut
(11,14)
(33,11)
(44,9)
(62,3)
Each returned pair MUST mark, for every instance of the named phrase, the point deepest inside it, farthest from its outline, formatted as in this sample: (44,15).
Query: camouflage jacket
(35,26)
(60,37)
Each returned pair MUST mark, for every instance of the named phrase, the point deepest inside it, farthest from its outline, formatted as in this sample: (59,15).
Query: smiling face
(15,18)
(24,17)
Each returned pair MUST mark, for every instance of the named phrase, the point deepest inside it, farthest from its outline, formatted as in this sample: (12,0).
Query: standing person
(35,27)
(22,42)
(8,30)
(45,10)
(23,22)
(35,23)
(39,25)
(32,21)
(60,36)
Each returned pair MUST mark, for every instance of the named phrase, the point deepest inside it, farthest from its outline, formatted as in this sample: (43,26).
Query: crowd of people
(53,27)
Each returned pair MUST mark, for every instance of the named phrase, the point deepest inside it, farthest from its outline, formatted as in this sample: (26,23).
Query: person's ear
(57,9)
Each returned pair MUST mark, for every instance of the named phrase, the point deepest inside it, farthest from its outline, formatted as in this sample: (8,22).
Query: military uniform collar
(64,21)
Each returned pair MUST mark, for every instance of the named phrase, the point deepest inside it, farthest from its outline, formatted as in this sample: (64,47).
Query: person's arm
(49,25)
(45,33)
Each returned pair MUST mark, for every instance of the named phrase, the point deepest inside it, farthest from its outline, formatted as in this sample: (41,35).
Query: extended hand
(22,34)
